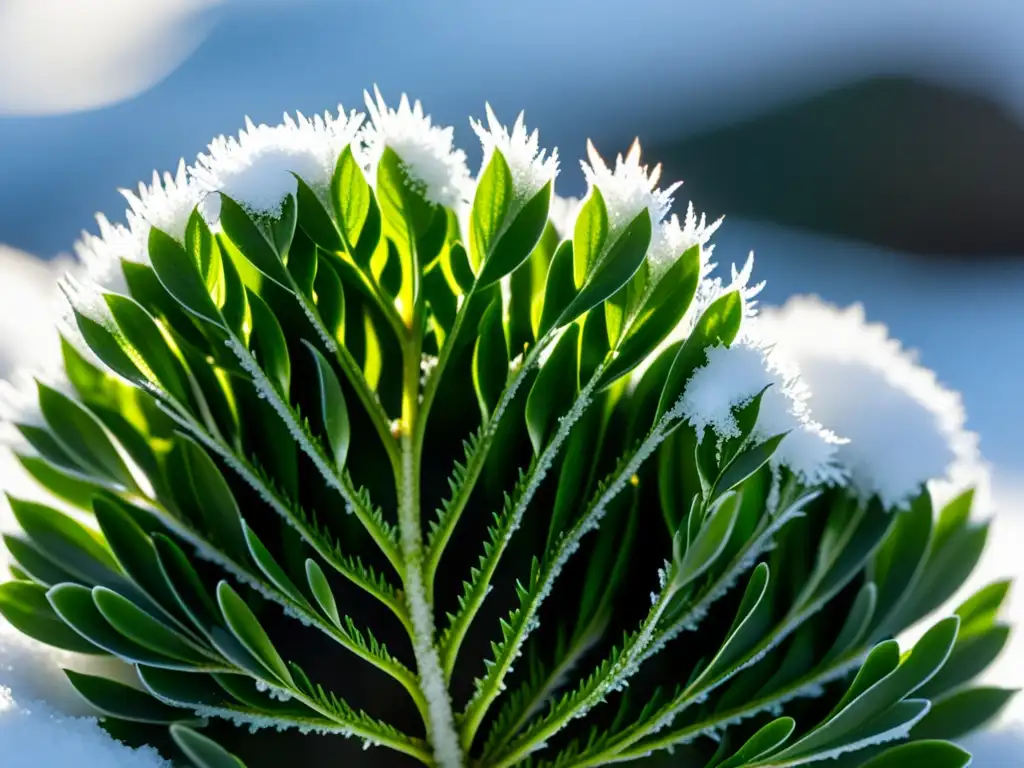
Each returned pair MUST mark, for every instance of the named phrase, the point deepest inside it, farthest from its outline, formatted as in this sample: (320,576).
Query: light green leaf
(27,609)
(322,592)
(519,238)
(710,542)
(118,700)
(333,411)
(490,205)
(554,389)
(589,236)
(490,359)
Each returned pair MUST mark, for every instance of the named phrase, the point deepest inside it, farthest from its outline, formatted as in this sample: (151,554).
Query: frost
(732,377)
(629,188)
(673,240)
(529,165)
(904,427)
(256,168)
(425,149)
(167,203)
(102,254)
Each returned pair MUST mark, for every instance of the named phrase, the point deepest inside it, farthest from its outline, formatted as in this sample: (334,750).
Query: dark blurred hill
(898,163)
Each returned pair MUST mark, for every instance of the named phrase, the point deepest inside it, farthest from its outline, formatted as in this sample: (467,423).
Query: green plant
(303,347)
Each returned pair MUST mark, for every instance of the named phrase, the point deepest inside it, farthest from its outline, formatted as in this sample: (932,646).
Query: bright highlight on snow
(904,427)
(732,377)
(531,167)
(426,150)
(629,188)
(258,169)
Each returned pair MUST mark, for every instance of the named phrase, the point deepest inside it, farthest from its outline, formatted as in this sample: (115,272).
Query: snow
(256,168)
(904,428)
(165,204)
(425,149)
(101,255)
(674,240)
(33,734)
(629,188)
(530,166)
(732,377)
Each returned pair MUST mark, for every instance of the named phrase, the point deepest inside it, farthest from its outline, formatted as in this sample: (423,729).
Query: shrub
(347,443)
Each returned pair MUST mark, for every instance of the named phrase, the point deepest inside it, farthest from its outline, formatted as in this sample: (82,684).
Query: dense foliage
(346,457)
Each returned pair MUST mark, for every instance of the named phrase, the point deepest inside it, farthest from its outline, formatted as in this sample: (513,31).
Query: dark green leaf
(963,712)
(252,243)
(490,359)
(118,700)
(180,275)
(519,238)
(269,345)
(922,754)
(321,590)
(314,219)
(559,290)
(711,541)
(333,412)
(554,389)
(763,743)
(270,568)
(25,606)
(246,627)
(203,751)
(138,626)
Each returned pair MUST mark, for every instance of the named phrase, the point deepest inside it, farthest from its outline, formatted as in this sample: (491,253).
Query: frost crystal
(256,169)
(732,377)
(629,188)
(530,167)
(165,204)
(673,240)
(425,149)
(904,428)
(102,254)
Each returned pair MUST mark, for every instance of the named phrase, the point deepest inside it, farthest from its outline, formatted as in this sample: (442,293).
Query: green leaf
(209,493)
(747,628)
(269,345)
(899,560)
(246,627)
(138,626)
(330,299)
(559,290)
(983,606)
(333,412)
(25,606)
(355,207)
(710,542)
(554,389)
(322,592)
(746,464)
(302,264)
(858,621)
(118,700)
(184,582)
(66,542)
(764,742)
(461,270)
(963,712)
(971,656)
(622,260)
(270,568)
(589,236)
(491,202)
(252,243)
(519,238)
(81,435)
(490,359)
(314,219)
(922,754)
(718,325)
(75,605)
(133,549)
(106,346)
(202,751)
(36,566)
(180,275)
(661,312)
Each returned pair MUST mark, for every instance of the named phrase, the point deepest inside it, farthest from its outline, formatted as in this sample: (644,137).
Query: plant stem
(441,721)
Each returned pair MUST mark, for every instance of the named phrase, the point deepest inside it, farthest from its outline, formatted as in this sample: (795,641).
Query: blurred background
(867,151)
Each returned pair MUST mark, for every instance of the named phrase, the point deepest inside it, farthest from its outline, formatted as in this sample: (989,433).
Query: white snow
(629,188)
(904,428)
(33,735)
(674,240)
(425,149)
(530,166)
(101,255)
(166,204)
(256,168)
(732,377)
